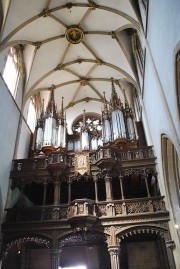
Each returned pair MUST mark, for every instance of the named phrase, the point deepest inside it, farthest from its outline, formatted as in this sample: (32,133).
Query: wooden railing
(131,207)
(39,213)
(68,160)
(86,207)
(127,155)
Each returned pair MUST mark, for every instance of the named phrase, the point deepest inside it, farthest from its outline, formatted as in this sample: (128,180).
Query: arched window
(178,80)
(31,118)
(138,52)
(88,138)
(171,165)
(12,69)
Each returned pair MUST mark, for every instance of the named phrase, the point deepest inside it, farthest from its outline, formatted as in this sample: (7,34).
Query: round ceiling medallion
(74,35)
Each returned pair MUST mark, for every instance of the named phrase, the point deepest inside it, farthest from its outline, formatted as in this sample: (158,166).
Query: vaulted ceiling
(74,47)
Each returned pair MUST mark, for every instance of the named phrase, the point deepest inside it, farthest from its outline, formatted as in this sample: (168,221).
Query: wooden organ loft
(90,198)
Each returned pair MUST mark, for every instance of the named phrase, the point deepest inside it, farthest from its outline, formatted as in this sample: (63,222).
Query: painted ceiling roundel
(76,46)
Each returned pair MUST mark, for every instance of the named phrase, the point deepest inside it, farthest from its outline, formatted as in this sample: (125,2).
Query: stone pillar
(57,189)
(147,187)
(45,192)
(55,258)
(108,188)
(114,255)
(69,191)
(121,187)
(96,188)
(170,246)
(2,257)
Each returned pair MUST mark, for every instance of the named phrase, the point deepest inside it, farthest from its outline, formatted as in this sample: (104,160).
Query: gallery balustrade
(87,207)
(68,159)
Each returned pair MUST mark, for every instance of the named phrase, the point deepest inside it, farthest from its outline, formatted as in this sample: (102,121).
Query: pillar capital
(107,177)
(55,253)
(170,244)
(57,182)
(55,258)
(95,178)
(114,250)
(2,255)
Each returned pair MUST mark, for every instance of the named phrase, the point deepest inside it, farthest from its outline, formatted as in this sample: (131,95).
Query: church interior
(90,134)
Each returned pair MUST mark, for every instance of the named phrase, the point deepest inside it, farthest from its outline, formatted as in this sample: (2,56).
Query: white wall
(24,140)
(9,122)
(161,115)
(163,36)
(9,118)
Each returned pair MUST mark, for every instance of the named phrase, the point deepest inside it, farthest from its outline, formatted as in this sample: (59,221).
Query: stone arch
(148,243)
(171,167)
(84,247)
(81,237)
(18,251)
(147,229)
(42,240)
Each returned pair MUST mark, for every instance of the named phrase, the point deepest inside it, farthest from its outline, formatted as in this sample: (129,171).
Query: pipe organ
(91,132)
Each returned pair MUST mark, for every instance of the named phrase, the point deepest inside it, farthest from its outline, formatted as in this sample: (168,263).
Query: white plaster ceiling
(100,56)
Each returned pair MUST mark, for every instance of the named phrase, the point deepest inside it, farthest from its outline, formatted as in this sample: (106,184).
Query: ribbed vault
(80,72)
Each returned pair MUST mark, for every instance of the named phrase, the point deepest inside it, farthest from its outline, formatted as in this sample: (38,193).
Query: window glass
(31,118)
(178,81)
(11,71)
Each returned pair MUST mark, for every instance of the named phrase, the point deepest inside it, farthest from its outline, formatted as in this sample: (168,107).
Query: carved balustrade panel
(81,207)
(102,210)
(137,208)
(29,164)
(36,214)
(126,155)
(158,205)
(92,158)
(118,208)
(86,207)
(40,163)
(57,158)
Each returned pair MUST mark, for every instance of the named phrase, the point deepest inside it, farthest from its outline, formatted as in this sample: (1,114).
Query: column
(170,246)
(45,192)
(57,185)
(147,187)
(108,188)
(121,187)
(96,188)
(69,190)
(55,258)
(2,257)
(114,255)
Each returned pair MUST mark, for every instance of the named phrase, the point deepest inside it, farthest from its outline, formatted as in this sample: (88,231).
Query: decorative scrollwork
(102,210)
(39,240)
(158,205)
(143,230)
(134,208)
(118,209)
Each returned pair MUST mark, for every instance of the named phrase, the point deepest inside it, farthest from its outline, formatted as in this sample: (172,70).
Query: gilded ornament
(74,35)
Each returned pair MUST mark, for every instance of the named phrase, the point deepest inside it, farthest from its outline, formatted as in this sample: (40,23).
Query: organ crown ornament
(127,110)
(61,114)
(40,120)
(115,102)
(105,108)
(51,108)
